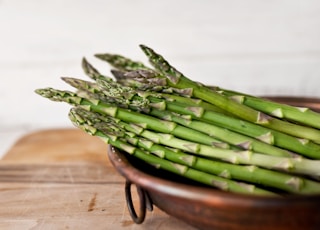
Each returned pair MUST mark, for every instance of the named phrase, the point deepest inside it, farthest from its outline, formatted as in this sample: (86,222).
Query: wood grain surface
(62,179)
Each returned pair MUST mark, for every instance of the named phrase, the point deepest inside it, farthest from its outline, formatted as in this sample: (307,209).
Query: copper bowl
(208,208)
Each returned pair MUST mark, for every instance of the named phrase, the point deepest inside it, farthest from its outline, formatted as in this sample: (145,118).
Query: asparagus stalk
(271,108)
(275,109)
(303,166)
(135,74)
(273,137)
(222,134)
(121,62)
(176,79)
(92,72)
(179,169)
(117,95)
(136,80)
(185,123)
(304,147)
(146,80)
(251,174)
(288,164)
(296,114)
(139,81)
(130,116)
(225,135)
(219,124)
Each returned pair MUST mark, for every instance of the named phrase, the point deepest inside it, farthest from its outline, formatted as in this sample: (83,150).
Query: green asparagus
(176,79)
(167,133)
(300,115)
(196,175)
(263,141)
(254,175)
(229,140)
(217,132)
(130,116)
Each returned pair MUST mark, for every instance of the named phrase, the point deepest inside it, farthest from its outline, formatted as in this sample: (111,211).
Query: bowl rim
(207,195)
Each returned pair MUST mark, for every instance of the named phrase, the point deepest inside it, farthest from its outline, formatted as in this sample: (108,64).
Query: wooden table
(62,179)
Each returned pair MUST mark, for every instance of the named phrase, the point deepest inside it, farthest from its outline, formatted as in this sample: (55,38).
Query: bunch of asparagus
(229,140)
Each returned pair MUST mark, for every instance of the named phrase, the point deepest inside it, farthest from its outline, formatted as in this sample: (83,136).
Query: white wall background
(260,47)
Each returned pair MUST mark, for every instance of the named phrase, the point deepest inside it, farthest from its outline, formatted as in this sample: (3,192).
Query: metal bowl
(208,208)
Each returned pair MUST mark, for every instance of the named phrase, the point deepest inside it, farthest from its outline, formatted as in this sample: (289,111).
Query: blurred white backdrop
(258,47)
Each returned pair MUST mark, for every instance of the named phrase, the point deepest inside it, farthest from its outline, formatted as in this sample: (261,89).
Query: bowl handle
(145,203)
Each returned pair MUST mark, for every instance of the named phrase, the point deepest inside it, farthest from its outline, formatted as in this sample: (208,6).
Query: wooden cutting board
(62,179)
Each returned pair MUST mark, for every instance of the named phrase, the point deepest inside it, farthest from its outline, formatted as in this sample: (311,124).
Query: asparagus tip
(101,56)
(148,51)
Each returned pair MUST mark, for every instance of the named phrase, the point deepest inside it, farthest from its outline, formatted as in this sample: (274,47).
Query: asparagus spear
(135,79)
(146,82)
(260,133)
(251,174)
(222,134)
(294,165)
(217,132)
(176,79)
(90,98)
(117,95)
(301,115)
(121,62)
(296,114)
(299,145)
(232,138)
(304,166)
(115,91)
(130,116)
(273,137)
(139,81)
(92,72)
(182,170)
